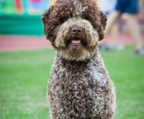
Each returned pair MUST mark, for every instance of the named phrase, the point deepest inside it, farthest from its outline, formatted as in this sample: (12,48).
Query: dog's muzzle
(77,35)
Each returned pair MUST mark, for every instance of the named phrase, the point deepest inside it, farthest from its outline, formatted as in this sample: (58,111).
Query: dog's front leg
(63,116)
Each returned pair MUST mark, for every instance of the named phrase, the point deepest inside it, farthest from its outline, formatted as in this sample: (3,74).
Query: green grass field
(24,76)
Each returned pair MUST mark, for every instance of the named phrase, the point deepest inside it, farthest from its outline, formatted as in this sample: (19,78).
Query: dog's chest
(81,88)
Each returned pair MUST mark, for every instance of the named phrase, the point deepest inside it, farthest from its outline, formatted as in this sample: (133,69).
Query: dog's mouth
(76,42)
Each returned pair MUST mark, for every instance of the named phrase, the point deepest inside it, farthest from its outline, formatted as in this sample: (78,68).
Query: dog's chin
(75,50)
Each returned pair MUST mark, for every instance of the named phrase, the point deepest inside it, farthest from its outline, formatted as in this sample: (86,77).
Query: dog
(79,86)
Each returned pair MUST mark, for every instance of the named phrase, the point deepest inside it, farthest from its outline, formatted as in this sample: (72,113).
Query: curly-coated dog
(79,85)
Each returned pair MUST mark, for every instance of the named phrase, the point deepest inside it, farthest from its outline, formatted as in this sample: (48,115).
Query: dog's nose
(76,29)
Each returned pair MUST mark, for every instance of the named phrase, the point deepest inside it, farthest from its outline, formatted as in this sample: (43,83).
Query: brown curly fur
(65,9)
(81,89)
(79,85)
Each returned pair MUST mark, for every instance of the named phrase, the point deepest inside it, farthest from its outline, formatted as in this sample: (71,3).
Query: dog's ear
(55,16)
(46,18)
(96,17)
(103,19)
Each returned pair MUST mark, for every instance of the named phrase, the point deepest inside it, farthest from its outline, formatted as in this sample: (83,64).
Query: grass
(24,74)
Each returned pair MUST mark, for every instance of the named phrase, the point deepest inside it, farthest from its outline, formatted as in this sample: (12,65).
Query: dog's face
(72,29)
(75,39)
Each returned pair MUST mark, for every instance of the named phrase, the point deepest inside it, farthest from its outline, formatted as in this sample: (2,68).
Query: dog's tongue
(76,42)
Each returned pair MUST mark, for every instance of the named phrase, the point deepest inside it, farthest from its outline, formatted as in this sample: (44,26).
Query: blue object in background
(39,6)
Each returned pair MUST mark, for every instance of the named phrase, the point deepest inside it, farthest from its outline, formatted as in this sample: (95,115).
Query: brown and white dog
(79,85)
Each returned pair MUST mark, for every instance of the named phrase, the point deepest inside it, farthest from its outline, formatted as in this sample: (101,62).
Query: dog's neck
(93,56)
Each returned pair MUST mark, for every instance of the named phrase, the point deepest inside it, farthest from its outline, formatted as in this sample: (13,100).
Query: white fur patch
(98,76)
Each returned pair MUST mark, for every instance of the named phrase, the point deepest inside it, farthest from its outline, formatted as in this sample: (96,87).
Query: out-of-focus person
(141,14)
(107,6)
(131,8)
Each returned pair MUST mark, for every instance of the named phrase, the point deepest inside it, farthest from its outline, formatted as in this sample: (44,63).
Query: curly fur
(65,9)
(81,90)
(90,37)
(79,85)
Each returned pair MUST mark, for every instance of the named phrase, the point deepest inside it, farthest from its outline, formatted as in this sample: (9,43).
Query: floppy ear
(103,20)
(96,17)
(46,18)
(52,18)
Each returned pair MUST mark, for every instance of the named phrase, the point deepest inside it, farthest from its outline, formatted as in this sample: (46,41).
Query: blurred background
(26,58)
(22,17)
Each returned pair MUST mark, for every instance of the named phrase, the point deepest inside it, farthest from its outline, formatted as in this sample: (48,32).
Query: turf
(24,74)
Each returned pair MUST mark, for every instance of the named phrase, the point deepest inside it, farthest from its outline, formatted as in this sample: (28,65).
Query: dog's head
(74,27)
